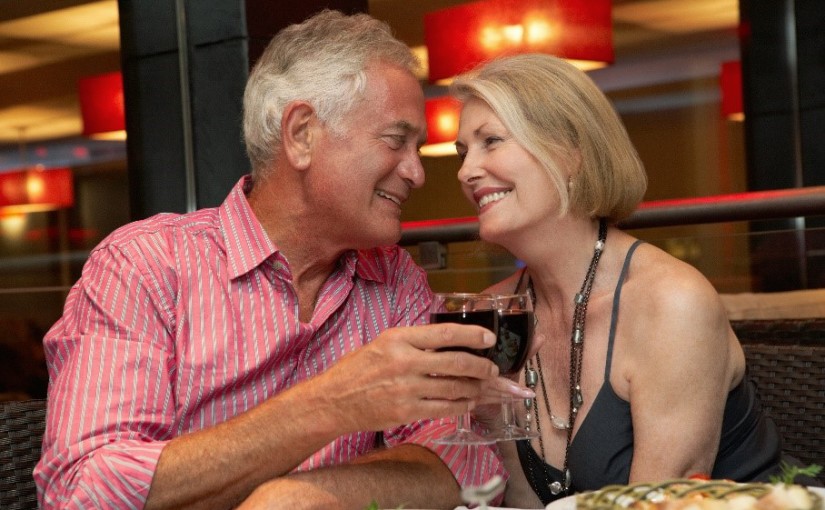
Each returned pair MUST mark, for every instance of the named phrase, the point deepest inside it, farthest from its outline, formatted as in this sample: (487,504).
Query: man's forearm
(406,476)
(220,466)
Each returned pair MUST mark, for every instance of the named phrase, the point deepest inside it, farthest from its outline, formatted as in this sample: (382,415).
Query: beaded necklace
(576,353)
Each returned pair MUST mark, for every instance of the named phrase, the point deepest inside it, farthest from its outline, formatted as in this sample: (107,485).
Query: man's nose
(412,171)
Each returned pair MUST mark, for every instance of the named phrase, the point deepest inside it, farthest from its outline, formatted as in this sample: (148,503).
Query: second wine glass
(516,324)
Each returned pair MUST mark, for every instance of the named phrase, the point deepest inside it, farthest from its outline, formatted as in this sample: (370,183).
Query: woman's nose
(468,172)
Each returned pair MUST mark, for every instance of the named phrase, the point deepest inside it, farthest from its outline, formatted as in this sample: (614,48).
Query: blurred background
(77,76)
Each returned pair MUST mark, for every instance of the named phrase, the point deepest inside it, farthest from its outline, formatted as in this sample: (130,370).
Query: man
(252,349)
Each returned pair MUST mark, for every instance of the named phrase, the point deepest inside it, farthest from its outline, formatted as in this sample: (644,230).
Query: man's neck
(293,230)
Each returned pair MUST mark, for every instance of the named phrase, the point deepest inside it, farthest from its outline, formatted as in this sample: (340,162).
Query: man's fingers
(447,335)
(436,387)
(458,364)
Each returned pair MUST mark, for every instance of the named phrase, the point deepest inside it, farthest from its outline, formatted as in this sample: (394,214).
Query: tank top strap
(614,315)
(520,280)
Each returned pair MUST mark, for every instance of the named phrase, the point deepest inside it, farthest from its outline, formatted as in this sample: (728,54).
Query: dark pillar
(784,91)
(185,65)
(184,68)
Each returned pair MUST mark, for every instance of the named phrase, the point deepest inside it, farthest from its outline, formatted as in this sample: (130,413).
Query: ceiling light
(36,189)
(442,126)
(731,82)
(461,37)
(102,106)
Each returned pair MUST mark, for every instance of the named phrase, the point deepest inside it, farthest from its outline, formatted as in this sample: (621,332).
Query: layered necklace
(532,377)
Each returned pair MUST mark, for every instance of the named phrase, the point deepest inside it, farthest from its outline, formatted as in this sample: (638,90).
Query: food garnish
(693,494)
(789,473)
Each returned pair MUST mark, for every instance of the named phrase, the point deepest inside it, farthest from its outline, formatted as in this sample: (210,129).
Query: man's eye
(396,141)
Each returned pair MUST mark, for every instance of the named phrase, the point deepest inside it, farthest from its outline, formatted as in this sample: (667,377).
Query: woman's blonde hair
(559,115)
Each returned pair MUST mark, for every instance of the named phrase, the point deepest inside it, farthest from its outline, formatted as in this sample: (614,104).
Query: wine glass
(464,308)
(516,323)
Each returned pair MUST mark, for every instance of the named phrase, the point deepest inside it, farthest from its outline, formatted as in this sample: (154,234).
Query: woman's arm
(683,359)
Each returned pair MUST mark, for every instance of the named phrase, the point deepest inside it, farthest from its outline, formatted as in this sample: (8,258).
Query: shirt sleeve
(111,409)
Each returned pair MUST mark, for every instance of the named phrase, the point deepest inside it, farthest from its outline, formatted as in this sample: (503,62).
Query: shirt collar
(247,245)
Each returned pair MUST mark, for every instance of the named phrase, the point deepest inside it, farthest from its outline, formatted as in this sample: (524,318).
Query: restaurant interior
(691,79)
(115,110)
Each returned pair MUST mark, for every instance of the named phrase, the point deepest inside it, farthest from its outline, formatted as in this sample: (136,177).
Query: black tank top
(602,450)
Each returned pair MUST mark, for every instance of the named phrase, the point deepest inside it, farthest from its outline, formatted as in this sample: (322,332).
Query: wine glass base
(512,434)
(464,437)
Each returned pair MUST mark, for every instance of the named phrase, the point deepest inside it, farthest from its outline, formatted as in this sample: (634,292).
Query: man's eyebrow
(408,127)
(405,126)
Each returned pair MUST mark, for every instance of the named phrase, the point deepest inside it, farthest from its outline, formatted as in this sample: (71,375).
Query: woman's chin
(497,233)
(490,232)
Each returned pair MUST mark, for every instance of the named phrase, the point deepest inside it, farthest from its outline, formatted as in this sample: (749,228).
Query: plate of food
(696,494)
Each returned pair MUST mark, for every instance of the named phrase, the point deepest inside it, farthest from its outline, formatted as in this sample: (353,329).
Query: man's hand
(402,376)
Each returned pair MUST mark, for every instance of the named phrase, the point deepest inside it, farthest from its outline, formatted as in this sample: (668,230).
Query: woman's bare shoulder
(669,281)
(674,300)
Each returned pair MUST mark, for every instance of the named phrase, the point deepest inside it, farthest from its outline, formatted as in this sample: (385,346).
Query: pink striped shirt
(180,322)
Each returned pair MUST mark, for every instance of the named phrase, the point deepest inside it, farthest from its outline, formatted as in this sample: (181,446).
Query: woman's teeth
(492,197)
(388,197)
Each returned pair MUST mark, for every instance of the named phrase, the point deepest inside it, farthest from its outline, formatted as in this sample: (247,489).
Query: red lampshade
(36,189)
(461,37)
(442,126)
(731,82)
(101,105)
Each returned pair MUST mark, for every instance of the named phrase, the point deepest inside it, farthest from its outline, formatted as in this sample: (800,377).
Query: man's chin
(385,237)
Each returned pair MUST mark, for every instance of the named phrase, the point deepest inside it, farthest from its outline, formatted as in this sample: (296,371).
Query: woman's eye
(490,140)
(462,155)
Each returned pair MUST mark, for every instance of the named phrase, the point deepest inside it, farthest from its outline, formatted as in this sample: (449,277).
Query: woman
(640,376)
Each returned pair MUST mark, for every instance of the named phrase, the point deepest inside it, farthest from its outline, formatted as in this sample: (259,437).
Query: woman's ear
(574,160)
(297,133)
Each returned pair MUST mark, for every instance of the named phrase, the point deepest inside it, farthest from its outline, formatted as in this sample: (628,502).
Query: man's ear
(297,133)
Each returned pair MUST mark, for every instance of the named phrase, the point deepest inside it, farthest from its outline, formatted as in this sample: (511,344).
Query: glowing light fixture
(102,107)
(459,38)
(35,190)
(442,126)
(731,83)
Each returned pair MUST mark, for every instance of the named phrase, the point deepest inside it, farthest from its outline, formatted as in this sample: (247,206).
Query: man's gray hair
(321,61)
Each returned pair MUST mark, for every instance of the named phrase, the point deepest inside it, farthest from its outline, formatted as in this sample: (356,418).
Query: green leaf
(789,473)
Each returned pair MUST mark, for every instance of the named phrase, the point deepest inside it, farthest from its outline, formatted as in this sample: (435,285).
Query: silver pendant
(577,336)
(530,378)
(578,399)
(556,488)
(559,423)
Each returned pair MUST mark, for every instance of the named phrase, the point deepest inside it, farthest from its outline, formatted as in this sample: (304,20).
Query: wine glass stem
(507,412)
(463,422)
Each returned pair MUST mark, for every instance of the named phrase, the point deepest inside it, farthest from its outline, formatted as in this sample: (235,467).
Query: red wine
(483,318)
(515,329)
